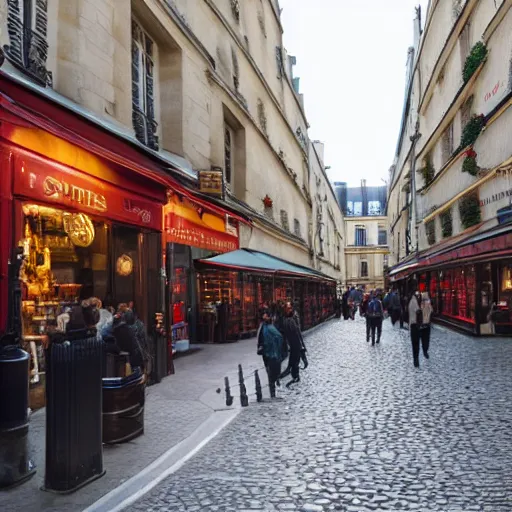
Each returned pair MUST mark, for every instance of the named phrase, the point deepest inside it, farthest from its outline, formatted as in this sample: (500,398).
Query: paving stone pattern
(174,409)
(365,431)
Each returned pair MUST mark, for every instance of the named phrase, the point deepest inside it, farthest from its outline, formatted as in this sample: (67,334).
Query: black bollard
(229,397)
(16,465)
(259,394)
(244,399)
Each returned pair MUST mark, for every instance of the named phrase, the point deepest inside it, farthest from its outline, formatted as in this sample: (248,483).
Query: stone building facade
(202,85)
(366,234)
(449,197)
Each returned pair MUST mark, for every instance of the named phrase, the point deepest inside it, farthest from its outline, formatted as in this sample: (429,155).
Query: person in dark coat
(293,338)
(344,303)
(126,340)
(139,330)
(271,348)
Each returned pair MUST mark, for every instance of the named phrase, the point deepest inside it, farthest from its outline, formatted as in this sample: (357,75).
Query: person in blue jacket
(271,348)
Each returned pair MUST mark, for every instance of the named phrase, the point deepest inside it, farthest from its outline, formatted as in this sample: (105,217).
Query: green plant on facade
(446,223)
(428,172)
(430,230)
(469,210)
(471,131)
(474,59)
(470,165)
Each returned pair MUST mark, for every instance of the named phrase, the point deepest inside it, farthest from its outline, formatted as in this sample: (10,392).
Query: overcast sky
(351,57)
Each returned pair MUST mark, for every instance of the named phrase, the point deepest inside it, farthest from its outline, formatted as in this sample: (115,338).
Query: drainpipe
(414,206)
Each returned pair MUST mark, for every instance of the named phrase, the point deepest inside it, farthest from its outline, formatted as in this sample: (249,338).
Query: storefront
(192,231)
(469,283)
(235,286)
(75,224)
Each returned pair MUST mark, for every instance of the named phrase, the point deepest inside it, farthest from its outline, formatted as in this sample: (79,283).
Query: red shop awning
(59,121)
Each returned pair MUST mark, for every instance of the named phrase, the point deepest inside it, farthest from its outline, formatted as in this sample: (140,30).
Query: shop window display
(502,310)
(433,285)
(458,293)
(65,261)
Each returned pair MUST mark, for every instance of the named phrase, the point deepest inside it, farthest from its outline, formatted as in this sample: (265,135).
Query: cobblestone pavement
(364,431)
(174,409)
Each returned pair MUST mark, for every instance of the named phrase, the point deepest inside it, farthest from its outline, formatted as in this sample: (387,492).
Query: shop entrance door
(126,266)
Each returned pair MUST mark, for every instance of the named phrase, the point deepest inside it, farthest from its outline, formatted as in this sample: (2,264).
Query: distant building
(366,233)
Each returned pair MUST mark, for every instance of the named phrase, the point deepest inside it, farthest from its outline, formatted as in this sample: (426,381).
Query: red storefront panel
(39,179)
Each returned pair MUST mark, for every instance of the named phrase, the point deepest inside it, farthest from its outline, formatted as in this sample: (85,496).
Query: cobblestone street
(365,430)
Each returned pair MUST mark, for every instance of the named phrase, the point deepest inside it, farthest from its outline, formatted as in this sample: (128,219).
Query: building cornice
(365,218)
(496,20)
(491,174)
(367,249)
(259,74)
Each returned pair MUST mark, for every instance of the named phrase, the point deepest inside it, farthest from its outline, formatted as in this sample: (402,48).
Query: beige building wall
(365,263)
(215,66)
(441,102)
(327,226)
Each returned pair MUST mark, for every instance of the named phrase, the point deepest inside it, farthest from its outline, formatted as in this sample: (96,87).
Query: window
(296,228)
(465,44)
(358,208)
(229,155)
(360,235)
(364,269)
(466,112)
(350,208)
(143,87)
(284,220)
(374,208)
(383,235)
(27,22)
(447,143)
(279,62)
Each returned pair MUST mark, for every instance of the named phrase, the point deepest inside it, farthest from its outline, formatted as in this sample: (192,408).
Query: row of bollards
(244,398)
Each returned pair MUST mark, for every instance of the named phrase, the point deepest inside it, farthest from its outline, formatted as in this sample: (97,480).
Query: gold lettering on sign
(59,189)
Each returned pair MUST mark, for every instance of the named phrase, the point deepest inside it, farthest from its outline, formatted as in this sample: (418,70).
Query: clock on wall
(124,265)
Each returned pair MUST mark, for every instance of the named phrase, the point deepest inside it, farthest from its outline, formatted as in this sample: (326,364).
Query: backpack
(272,343)
(375,308)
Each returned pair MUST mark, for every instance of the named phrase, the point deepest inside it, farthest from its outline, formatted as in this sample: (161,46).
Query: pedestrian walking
(363,308)
(425,327)
(271,348)
(344,303)
(293,338)
(376,315)
(415,321)
(394,306)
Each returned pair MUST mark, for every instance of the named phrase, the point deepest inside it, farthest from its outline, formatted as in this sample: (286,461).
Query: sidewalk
(175,409)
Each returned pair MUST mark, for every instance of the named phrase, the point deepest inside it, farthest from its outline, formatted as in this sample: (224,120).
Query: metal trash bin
(74,451)
(123,407)
(15,464)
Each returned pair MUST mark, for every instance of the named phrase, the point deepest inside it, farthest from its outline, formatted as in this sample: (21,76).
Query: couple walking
(274,346)
(420,313)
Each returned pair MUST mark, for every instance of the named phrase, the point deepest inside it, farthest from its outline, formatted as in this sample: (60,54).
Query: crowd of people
(119,329)
(376,305)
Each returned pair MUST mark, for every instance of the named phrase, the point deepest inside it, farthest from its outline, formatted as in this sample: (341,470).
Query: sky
(351,58)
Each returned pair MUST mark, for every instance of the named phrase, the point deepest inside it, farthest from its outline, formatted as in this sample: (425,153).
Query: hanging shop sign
(212,182)
(190,224)
(41,180)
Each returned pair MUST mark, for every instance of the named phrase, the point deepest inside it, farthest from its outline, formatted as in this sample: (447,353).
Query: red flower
(470,153)
(267,201)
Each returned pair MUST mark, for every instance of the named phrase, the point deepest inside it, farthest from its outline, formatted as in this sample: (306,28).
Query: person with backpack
(376,314)
(271,348)
(415,322)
